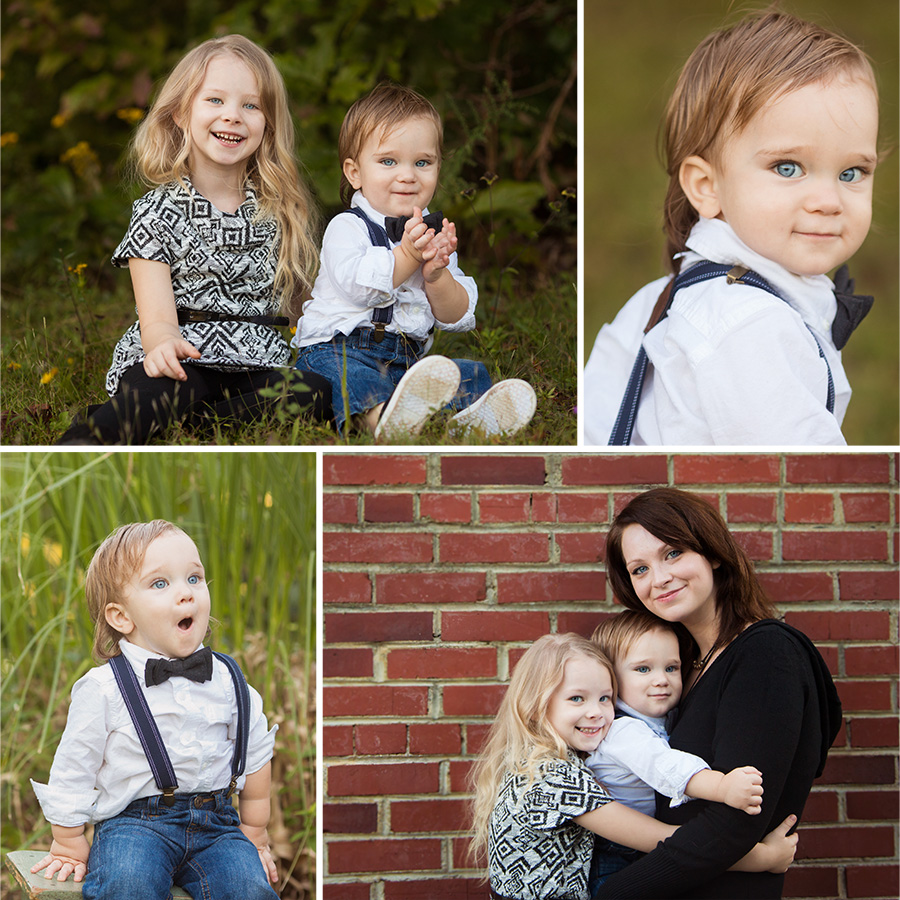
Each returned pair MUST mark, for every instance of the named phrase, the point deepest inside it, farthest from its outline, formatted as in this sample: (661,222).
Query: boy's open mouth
(185,623)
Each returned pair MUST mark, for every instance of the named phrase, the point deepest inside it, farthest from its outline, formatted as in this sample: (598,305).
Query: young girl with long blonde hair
(537,806)
(220,251)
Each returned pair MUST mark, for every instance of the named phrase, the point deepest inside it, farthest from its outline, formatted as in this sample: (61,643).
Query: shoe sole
(505,409)
(429,385)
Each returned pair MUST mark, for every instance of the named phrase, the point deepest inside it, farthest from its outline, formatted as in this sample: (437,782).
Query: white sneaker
(504,409)
(428,385)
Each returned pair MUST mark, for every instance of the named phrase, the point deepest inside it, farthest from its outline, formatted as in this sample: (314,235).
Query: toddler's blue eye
(642,670)
(387,162)
(193,579)
(421,163)
(788,169)
(159,584)
(850,176)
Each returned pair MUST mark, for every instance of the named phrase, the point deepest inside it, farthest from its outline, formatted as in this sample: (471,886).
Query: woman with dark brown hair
(757,692)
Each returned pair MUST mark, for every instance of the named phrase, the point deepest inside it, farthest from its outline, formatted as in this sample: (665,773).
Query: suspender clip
(379,332)
(169,796)
(232,786)
(736,274)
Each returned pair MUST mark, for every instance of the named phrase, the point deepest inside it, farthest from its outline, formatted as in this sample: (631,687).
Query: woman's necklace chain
(700,665)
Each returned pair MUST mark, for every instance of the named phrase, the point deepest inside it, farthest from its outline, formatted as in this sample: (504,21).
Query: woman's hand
(67,855)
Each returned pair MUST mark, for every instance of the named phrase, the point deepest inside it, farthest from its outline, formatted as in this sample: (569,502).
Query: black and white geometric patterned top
(535,850)
(223,262)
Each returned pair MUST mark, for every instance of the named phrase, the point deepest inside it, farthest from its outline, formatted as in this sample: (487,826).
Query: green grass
(63,334)
(252,516)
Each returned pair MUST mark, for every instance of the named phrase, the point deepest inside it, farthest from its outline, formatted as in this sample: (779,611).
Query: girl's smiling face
(676,585)
(226,123)
(581,708)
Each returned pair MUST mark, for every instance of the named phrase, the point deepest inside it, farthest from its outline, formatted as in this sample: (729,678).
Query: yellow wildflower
(81,158)
(130,114)
(14,365)
(267,500)
(47,377)
(53,552)
(9,137)
(59,120)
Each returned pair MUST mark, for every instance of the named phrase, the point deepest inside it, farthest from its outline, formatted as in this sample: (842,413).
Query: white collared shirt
(100,766)
(635,759)
(355,278)
(731,364)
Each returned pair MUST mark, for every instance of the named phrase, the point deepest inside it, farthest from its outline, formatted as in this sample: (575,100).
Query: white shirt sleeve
(71,796)
(635,747)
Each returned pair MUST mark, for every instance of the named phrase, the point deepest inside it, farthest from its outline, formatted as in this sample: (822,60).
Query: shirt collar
(656,723)
(811,295)
(138,656)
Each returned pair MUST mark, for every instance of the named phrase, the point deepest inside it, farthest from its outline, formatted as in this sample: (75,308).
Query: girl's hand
(67,855)
(163,360)
(781,846)
(444,244)
(742,789)
(259,837)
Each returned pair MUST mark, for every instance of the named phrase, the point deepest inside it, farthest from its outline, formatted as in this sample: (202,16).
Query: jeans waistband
(156,803)
(364,338)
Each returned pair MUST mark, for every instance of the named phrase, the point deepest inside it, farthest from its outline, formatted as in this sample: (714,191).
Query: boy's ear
(117,618)
(698,181)
(351,173)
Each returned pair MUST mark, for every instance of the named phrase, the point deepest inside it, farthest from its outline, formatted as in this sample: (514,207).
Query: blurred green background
(78,75)
(633,52)
(253,518)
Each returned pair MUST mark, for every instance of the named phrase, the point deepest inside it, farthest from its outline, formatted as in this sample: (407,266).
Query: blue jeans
(196,844)
(374,369)
(608,858)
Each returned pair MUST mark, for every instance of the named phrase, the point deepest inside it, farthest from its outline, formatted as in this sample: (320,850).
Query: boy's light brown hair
(381,110)
(615,634)
(115,563)
(727,80)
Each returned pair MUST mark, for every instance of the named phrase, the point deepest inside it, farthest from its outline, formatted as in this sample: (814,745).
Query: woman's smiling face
(676,585)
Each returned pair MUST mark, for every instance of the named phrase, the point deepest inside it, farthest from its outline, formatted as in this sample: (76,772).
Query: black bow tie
(394,225)
(851,308)
(198,667)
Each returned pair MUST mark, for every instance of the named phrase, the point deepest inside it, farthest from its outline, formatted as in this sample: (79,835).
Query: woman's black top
(767,701)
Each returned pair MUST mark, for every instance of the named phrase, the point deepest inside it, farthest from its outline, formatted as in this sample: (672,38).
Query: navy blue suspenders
(381,315)
(148,733)
(624,426)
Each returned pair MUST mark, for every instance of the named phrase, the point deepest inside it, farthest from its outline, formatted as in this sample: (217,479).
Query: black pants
(144,406)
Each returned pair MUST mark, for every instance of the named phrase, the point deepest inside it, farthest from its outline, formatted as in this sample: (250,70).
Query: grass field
(634,53)
(57,343)
(252,516)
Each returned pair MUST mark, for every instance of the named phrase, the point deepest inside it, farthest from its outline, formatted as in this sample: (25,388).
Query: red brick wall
(439,569)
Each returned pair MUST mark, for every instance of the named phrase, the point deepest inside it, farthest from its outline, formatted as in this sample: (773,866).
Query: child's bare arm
(68,853)
(618,823)
(774,853)
(741,788)
(255,807)
(160,336)
(449,300)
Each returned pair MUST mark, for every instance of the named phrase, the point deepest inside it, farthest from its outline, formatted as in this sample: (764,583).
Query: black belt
(203,315)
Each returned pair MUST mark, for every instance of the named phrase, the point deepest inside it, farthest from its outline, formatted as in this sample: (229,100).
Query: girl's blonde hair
(615,634)
(115,563)
(730,76)
(161,150)
(521,737)
(383,109)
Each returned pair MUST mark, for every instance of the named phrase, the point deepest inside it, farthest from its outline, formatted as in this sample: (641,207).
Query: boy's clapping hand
(444,244)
